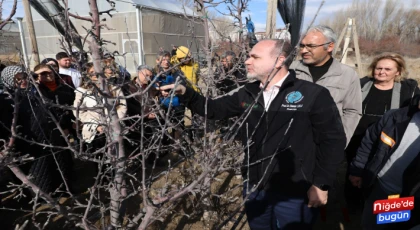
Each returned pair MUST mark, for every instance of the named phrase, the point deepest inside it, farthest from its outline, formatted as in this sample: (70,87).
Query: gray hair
(328,33)
(144,67)
(229,53)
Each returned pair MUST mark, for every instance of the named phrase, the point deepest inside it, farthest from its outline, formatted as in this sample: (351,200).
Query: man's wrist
(322,187)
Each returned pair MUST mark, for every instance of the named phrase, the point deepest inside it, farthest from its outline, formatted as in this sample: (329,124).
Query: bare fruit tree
(136,180)
(8,17)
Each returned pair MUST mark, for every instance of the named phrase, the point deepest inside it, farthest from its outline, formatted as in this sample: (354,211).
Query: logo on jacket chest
(245,105)
(292,100)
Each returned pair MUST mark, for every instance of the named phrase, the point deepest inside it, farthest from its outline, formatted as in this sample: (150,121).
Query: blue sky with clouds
(257,10)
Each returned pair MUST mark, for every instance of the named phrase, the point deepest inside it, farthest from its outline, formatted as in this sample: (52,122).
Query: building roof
(165,5)
(11,27)
(80,7)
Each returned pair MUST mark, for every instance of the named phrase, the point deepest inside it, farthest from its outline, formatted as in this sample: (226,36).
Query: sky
(258,10)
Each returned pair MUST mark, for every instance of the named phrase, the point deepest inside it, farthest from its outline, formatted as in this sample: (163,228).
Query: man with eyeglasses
(318,66)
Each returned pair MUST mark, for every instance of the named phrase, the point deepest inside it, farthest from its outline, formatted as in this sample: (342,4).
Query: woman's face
(108,71)
(92,75)
(46,76)
(386,70)
(21,80)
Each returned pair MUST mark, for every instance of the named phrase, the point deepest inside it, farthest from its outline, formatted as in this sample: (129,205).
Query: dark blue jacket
(301,134)
(374,151)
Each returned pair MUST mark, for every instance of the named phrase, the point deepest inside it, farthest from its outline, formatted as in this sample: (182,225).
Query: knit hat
(8,75)
(182,52)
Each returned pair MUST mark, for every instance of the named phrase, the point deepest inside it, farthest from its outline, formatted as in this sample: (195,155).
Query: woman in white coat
(94,121)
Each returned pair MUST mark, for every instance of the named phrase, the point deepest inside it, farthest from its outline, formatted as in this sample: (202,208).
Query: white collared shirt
(271,93)
(74,74)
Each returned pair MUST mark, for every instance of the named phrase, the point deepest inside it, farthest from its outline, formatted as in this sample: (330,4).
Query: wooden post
(349,33)
(31,31)
(340,39)
(347,41)
(270,30)
(357,50)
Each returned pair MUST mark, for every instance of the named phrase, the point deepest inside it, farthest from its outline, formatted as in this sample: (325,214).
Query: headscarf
(8,75)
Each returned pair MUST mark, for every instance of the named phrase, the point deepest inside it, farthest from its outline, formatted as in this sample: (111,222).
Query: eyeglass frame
(311,46)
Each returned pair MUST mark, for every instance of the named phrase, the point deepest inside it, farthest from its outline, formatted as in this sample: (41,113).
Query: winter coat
(62,95)
(191,73)
(140,105)
(343,83)
(301,132)
(33,125)
(402,94)
(91,119)
(373,153)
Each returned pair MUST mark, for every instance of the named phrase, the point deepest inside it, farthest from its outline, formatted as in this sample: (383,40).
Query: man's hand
(356,181)
(180,89)
(164,93)
(151,116)
(100,129)
(317,197)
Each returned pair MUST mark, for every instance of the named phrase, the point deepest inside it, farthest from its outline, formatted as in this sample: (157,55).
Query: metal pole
(23,41)
(31,31)
(139,35)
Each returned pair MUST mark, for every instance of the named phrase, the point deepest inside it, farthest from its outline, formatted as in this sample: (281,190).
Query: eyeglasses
(311,46)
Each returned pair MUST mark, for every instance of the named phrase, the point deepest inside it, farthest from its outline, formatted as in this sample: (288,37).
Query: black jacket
(409,89)
(373,153)
(227,82)
(63,95)
(302,129)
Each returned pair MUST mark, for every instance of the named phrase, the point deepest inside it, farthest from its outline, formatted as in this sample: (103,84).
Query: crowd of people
(300,120)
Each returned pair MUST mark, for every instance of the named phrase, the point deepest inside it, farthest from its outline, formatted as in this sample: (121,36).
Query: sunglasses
(45,73)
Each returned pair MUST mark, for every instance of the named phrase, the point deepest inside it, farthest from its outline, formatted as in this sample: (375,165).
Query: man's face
(315,55)
(144,77)
(260,62)
(64,62)
(164,62)
(227,63)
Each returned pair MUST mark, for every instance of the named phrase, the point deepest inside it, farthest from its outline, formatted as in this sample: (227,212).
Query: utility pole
(270,26)
(22,38)
(31,31)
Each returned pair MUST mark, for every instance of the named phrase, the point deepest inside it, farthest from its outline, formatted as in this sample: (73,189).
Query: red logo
(393,205)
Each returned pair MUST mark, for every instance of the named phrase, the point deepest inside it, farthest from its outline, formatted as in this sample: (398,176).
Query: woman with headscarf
(30,114)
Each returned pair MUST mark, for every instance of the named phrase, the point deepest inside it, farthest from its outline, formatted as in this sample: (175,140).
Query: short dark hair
(163,53)
(61,55)
(42,65)
(46,60)
(86,67)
